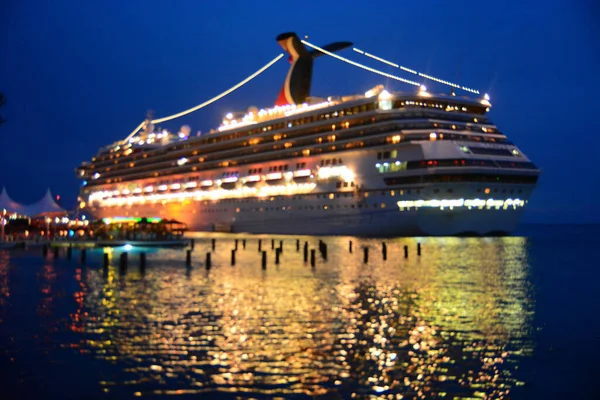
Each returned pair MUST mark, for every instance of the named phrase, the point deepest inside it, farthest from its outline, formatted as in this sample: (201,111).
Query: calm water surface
(471,318)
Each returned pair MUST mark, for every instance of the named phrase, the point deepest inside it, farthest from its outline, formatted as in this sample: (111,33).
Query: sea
(469,318)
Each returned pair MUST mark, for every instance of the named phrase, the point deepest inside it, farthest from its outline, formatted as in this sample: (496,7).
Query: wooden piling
(264,260)
(259,245)
(418,249)
(142,262)
(405,251)
(188,258)
(236,244)
(312,257)
(272,244)
(70,252)
(213,241)
(105,261)
(297,244)
(366,255)
(82,255)
(384,251)
(233,257)
(277,254)
(305,251)
(244,244)
(192,244)
(123,263)
(207,263)
(350,246)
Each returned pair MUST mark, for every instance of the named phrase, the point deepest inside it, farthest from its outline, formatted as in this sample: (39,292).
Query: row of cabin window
(323,207)
(384,155)
(492,151)
(298,197)
(470,163)
(434,103)
(253,171)
(331,161)
(382,193)
(279,168)
(446,178)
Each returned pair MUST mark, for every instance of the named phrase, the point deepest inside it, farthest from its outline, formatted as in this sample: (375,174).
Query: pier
(210,252)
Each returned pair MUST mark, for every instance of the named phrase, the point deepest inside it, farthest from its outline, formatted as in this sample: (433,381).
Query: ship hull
(376,214)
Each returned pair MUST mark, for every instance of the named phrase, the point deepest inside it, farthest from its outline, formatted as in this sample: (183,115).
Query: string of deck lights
(412,71)
(105,199)
(208,102)
(359,65)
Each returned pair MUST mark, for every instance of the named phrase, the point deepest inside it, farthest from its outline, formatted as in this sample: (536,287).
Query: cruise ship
(381,163)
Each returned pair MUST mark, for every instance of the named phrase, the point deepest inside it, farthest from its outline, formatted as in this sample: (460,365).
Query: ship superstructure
(374,164)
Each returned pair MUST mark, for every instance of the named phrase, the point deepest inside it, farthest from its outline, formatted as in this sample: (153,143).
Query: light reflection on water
(454,322)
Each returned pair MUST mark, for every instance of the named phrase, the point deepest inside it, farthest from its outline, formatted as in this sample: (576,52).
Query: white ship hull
(374,215)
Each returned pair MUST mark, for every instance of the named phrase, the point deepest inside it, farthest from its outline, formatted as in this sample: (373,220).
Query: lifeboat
(274,178)
(252,180)
(229,183)
(302,175)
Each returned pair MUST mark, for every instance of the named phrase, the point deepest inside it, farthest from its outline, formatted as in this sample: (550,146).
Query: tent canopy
(8,204)
(45,207)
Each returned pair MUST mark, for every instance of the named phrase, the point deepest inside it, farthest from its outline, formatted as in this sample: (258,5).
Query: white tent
(8,204)
(46,206)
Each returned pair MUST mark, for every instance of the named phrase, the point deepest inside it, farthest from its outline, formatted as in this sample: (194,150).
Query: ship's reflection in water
(454,322)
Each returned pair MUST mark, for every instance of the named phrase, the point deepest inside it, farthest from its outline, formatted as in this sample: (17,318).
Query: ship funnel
(296,88)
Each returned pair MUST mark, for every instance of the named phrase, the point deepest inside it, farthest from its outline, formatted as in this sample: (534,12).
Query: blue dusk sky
(79,75)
